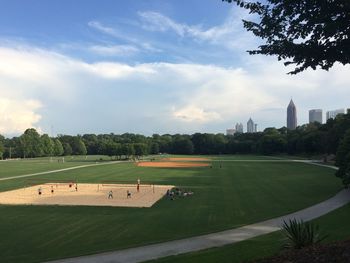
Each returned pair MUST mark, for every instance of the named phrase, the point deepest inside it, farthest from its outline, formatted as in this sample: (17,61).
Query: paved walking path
(57,171)
(218,239)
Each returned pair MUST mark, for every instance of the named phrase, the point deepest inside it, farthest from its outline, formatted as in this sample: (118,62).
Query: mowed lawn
(335,225)
(236,194)
(10,168)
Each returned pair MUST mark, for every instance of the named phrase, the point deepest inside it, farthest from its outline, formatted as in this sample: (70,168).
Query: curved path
(57,171)
(149,252)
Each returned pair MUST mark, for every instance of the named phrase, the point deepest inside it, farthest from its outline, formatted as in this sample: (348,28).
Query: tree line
(331,138)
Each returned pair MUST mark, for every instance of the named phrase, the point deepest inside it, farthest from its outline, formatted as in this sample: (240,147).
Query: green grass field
(334,224)
(239,193)
(10,168)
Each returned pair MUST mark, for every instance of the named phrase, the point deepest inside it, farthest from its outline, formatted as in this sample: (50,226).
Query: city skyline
(315,115)
(145,67)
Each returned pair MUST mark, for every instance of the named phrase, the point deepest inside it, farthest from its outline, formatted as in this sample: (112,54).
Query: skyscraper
(291,116)
(315,115)
(230,132)
(250,126)
(239,127)
(333,113)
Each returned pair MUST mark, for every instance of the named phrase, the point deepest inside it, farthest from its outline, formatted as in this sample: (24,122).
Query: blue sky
(146,67)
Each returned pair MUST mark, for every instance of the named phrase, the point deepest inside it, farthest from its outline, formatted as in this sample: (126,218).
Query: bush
(301,234)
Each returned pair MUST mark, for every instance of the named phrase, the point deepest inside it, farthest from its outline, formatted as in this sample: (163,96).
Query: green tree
(272,142)
(128,150)
(78,146)
(307,33)
(2,146)
(154,148)
(91,143)
(183,145)
(343,159)
(47,144)
(67,149)
(112,149)
(58,148)
(141,149)
(30,143)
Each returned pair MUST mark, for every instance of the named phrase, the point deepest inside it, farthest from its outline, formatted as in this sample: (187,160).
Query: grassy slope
(237,194)
(334,224)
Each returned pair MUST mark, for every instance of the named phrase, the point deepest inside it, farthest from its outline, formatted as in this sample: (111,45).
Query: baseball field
(226,192)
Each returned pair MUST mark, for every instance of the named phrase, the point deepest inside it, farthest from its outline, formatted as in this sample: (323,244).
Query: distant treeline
(306,139)
(330,138)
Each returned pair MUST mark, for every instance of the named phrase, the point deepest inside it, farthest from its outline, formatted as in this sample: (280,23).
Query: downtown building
(291,116)
(251,126)
(230,132)
(333,113)
(315,115)
(239,128)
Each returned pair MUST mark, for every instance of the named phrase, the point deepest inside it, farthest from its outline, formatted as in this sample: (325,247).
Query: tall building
(255,127)
(250,126)
(291,116)
(230,132)
(315,115)
(239,128)
(333,113)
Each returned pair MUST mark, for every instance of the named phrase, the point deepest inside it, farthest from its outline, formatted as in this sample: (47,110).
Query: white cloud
(229,34)
(17,115)
(110,31)
(158,22)
(116,70)
(40,88)
(195,114)
(114,32)
(114,50)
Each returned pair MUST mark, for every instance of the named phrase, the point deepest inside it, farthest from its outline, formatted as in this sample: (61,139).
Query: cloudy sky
(157,66)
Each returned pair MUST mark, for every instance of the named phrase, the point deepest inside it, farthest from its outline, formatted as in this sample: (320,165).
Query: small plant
(301,234)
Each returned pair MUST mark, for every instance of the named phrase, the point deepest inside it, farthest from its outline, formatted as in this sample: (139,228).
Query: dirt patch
(172,164)
(186,159)
(87,195)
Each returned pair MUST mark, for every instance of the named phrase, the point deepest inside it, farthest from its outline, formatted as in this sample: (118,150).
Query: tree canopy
(306,33)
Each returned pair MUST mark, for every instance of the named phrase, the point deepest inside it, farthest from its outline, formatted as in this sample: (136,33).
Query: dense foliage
(307,33)
(312,139)
(301,234)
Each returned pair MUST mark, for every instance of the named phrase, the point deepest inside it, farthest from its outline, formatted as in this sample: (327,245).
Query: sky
(156,66)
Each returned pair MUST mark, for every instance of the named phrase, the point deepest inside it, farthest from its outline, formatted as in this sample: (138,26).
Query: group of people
(128,193)
(110,194)
(40,189)
(177,192)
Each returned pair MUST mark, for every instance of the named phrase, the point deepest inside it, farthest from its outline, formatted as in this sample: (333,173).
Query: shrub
(301,234)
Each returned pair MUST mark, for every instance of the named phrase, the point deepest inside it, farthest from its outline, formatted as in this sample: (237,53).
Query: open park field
(234,192)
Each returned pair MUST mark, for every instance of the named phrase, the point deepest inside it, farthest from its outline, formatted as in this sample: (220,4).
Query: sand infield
(87,195)
(186,159)
(178,162)
(172,164)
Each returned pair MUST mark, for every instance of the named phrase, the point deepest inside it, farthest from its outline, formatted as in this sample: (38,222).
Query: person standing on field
(138,185)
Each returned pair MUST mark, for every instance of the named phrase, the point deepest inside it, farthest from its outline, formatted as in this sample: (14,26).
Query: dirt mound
(172,164)
(185,159)
(338,252)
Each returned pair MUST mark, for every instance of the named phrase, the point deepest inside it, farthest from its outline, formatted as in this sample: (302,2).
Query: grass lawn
(10,168)
(239,193)
(334,224)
